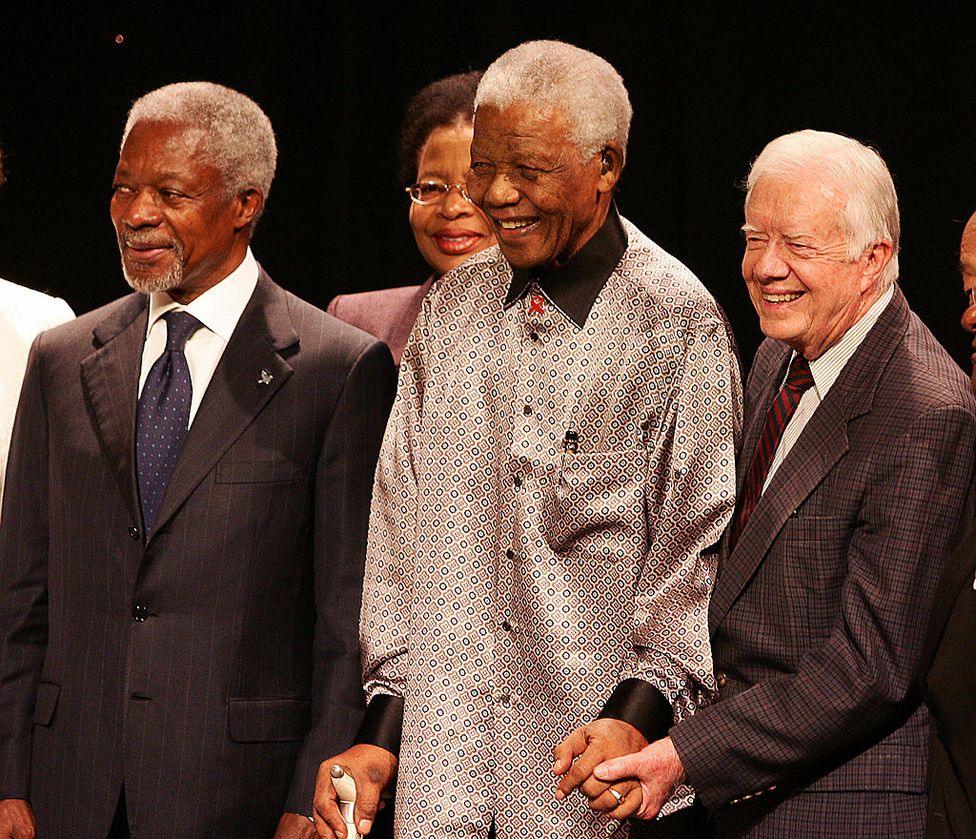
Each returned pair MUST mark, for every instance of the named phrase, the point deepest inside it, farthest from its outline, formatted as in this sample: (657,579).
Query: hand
(16,819)
(589,745)
(372,768)
(659,770)
(295,826)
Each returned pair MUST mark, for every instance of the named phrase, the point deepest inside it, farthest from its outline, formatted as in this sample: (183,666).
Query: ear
(876,258)
(247,207)
(611,160)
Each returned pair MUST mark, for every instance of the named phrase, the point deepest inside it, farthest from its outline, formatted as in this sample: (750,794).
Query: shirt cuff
(383,723)
(642,705)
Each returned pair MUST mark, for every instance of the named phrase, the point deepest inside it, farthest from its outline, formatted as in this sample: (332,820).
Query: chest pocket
(597,498)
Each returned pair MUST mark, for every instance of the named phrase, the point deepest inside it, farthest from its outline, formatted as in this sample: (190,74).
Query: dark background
(710,86)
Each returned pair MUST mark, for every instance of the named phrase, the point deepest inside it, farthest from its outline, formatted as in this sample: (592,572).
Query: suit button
(140,612)
(133,532)
(721,678)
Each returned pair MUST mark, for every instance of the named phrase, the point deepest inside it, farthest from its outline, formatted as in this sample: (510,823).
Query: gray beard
(173,278)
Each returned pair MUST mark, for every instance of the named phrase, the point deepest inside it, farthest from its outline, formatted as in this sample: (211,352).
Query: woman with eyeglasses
(433,156)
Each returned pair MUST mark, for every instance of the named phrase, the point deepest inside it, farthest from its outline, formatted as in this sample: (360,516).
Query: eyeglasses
(426,193)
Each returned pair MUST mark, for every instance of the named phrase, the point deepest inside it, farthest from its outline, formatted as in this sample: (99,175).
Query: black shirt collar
(574,287)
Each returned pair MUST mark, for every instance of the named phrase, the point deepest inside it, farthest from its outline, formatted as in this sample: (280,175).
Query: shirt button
(505,700)
(527,410)
(140,612)
(509,554)
(534,336)
(517,481)
(133,532)
(506,626)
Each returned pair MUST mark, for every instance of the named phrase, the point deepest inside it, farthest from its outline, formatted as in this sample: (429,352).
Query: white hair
(553,75)
(239,140)
(870,211)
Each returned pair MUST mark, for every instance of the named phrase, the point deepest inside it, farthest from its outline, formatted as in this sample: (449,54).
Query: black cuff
(643,706)
(383,723)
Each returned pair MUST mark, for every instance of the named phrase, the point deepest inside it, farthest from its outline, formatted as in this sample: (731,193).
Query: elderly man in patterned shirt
(559,461)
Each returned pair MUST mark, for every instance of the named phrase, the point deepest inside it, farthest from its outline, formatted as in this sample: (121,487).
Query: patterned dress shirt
(560,456)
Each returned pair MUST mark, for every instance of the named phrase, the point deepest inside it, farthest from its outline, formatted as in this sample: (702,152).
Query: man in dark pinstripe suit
(183,531)
(858,451)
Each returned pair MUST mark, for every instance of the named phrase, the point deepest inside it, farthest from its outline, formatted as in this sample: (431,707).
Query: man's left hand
(295,826)
(590,745)
(659,769)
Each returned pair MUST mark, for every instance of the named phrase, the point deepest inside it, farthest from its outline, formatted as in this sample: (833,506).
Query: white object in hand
(345,787)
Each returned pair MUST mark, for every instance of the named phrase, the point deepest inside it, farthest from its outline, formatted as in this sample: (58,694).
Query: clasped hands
(617,770)
(596,758)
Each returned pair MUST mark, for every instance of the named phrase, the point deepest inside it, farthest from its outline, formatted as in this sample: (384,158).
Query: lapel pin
(265,378)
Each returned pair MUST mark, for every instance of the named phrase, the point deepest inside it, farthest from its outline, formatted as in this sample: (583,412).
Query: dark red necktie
(799,380)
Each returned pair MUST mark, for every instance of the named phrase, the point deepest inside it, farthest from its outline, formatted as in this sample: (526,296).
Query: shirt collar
(828,367)
(220,307)
(574,287)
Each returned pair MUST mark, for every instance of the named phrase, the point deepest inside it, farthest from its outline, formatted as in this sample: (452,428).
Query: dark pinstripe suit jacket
(817,617)
(216,709)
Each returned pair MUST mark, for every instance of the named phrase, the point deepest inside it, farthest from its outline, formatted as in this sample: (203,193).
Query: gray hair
(870,212)
(239,142)
(557,76)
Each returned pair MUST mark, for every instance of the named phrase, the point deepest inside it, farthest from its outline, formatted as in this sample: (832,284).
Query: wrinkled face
(177,230)
(542,197)
(449,231)
(804,287)
(967,254)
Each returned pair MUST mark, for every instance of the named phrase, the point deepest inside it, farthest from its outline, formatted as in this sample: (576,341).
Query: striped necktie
(798,381)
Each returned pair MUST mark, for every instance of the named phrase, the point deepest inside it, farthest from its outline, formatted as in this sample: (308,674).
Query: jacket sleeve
(23,579)
(856,682)
(343,485)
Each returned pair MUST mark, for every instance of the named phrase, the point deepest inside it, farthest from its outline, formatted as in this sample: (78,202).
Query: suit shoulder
(328,336)
(923,377)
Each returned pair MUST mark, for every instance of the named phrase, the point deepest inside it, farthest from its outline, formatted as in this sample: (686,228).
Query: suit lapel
(249,374)
(821,444)
(110,382)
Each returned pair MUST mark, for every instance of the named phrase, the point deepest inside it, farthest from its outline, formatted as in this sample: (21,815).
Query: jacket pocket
(46,703)
(267,720)
(256,472)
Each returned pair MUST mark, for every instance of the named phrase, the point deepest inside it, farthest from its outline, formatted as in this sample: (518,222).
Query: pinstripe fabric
(818,614)
(216,708)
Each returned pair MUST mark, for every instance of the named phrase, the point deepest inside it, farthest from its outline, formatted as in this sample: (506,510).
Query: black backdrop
(710,85)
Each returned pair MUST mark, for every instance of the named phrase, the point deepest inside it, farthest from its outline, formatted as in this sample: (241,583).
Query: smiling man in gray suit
(183,534)
(858,451)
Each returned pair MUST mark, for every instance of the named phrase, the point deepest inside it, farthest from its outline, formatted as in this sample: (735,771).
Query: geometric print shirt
(546,497)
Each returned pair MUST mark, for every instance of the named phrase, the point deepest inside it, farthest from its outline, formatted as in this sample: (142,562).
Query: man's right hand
(16,819)
(373,768)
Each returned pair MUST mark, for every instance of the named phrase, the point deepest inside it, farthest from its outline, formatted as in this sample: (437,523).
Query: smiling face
(806,290)
(542,197)
(449,231)
(178,230)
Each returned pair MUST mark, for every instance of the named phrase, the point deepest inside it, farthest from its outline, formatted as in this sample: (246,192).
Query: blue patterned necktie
(163,415)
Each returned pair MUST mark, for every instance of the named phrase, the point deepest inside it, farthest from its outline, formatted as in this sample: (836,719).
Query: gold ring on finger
(615,794)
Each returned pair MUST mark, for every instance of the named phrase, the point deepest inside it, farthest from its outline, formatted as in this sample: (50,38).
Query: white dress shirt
(23,313)
(825,371)
(219,309)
